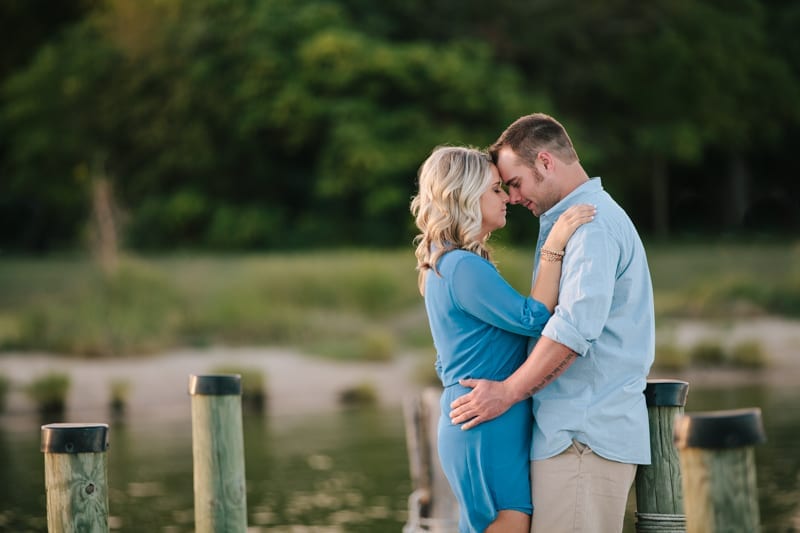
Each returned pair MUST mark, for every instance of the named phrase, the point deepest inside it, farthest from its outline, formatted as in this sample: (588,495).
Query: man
(588,371)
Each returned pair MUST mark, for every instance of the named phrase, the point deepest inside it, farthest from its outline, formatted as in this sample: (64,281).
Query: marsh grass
(119,391)
(670,357)
(361,395)
(710,353)
(349,304)
(49,392)
(5,387)
(254,385)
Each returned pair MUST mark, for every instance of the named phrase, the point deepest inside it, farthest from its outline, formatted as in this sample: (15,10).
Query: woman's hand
(567,223)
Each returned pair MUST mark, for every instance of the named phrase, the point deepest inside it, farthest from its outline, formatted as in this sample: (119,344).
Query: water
(341,471)
(336,471)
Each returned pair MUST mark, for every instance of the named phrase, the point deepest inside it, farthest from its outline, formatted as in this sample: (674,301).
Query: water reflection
(777,460)
(338,471)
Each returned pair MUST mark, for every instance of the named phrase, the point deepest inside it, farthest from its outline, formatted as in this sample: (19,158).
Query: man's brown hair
(531,134)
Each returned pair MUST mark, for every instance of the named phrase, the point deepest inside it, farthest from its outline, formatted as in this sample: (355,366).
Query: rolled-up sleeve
(479,290)
(587,288)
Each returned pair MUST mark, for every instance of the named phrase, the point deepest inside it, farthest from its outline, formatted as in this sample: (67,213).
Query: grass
(254,385)
(361,395)
(346,304)
(709,353)
(49,392)
(5,386)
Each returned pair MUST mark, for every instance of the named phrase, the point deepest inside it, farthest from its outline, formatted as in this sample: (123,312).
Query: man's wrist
(514,393)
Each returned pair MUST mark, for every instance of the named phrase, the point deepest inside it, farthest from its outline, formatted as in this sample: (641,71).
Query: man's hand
(487,400)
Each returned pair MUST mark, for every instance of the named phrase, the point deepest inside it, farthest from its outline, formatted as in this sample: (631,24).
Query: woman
(480,327)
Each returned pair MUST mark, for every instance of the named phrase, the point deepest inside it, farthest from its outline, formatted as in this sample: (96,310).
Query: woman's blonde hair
(447,207)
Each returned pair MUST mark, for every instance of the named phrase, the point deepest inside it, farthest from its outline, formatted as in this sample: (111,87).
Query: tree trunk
(737,193)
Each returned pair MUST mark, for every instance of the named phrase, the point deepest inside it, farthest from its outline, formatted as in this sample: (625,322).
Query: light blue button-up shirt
(605,314)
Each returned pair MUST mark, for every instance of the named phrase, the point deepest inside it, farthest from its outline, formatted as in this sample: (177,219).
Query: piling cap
(74,438)
(736,428)
(666,393)
(215,385)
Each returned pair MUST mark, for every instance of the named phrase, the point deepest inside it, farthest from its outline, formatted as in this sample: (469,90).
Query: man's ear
(548,163)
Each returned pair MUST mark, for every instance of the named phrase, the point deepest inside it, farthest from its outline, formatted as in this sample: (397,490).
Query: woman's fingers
(579,214)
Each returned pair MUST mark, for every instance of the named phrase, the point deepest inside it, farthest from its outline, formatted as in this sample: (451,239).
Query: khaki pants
(578,491)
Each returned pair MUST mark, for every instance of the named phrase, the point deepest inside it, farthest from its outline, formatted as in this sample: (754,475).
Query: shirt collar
(575,197)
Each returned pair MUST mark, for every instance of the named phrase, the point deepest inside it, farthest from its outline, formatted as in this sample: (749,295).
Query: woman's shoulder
(460,259)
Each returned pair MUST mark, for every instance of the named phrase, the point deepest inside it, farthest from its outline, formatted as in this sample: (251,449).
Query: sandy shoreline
(299,383)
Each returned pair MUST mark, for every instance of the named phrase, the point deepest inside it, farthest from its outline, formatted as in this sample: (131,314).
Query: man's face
(527,186)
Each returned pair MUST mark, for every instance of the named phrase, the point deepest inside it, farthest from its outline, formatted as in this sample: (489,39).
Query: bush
(49,392)
(425,372)
(749,354)
(377,345)
(670,357)
(5,386)
(254,394)
(707,353)
(120,389)
(361,395)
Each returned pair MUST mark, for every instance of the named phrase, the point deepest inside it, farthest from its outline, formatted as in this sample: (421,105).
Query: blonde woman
(480,327)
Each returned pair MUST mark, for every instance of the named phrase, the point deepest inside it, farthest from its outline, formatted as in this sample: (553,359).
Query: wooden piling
(432,507)
(220,499)
(659,493)
(719,473)
(76,475)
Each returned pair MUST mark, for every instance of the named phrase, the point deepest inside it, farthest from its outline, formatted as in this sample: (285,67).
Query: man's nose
(514,196)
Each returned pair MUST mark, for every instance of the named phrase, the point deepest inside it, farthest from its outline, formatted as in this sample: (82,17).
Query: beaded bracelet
(552,256)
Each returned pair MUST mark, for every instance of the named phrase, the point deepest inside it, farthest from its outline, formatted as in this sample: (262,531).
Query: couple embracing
(543,414)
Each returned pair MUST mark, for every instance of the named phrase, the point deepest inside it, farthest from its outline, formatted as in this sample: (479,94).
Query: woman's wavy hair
(447,207)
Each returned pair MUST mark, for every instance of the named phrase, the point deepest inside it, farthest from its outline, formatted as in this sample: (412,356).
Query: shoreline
(298,383)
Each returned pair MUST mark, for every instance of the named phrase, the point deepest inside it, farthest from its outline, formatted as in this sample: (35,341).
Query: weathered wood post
(75,477)
(432,505)
(220,498)
(719,472)
(659,494)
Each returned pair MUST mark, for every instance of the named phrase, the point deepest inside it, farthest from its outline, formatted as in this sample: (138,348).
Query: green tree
(256,124)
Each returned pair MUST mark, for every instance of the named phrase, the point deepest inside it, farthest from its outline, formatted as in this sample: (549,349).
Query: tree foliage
(277,123)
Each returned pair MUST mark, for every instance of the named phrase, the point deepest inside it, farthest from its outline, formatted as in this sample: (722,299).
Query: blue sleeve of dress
(480,290)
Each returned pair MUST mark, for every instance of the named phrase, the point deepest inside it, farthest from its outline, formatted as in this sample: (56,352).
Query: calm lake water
(336,471)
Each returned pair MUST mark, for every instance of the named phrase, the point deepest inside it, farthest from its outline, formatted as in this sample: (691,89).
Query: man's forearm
(548,360)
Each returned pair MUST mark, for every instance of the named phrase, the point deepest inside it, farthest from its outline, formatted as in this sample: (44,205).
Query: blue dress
(480,327)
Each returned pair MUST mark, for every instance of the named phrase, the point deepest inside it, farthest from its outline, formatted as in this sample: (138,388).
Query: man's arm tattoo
(553,374)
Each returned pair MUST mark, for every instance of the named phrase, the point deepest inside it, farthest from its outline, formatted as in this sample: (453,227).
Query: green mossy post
(719,472)
(75,477)
(659,494)
(220,498)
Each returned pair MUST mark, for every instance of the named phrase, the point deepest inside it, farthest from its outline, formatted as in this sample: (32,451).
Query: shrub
(707,353)
(749,354)
(5,386)
(120,389)
(49,392)
(670,357)
(361,395)
(425,371)
(377,345)
(254,394)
